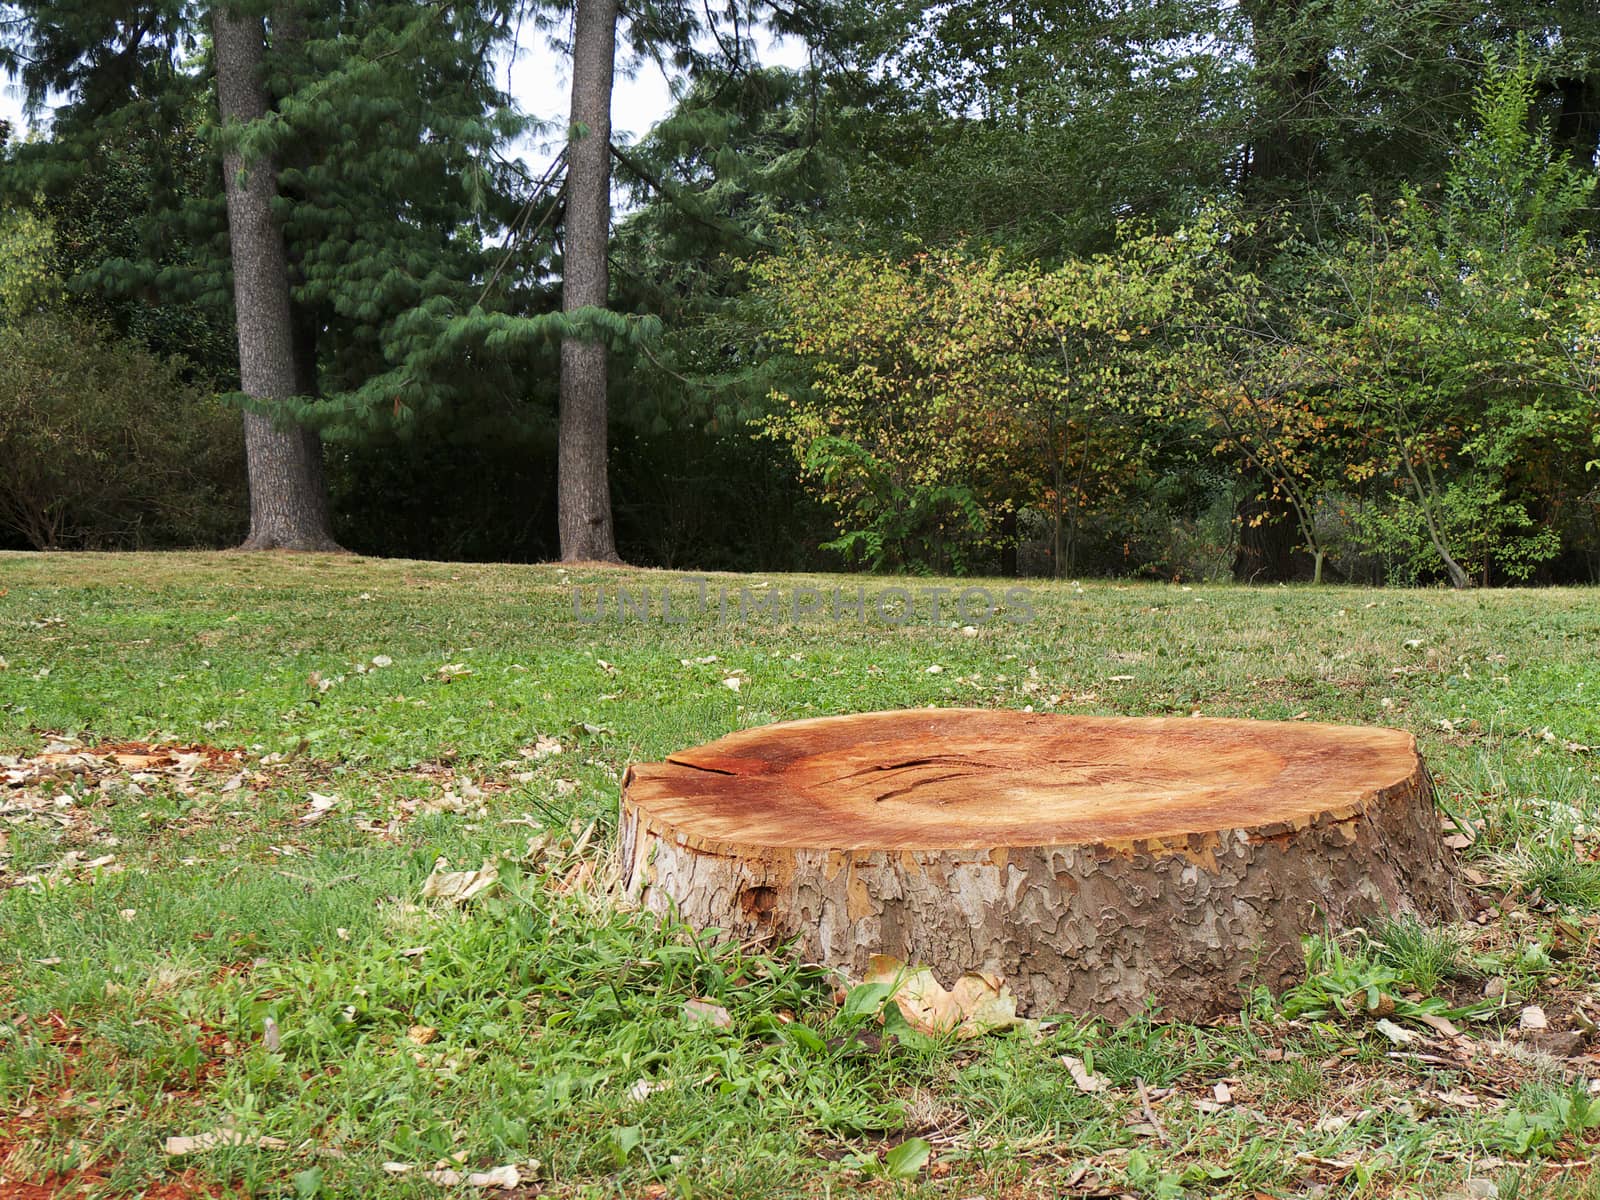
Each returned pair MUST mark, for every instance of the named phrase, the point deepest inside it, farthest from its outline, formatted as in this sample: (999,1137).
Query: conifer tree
(288,493)
(585,494)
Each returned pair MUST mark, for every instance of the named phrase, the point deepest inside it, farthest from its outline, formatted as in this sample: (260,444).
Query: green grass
(546,1022)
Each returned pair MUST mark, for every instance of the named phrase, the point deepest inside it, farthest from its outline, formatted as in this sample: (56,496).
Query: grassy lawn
(225,929)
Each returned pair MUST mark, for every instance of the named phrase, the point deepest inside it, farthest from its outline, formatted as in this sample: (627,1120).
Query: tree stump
(1096,864)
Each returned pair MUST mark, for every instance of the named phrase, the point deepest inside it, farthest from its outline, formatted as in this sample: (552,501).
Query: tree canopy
(1162,286)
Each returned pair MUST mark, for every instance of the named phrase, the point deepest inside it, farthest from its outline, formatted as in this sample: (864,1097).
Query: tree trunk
(1459,579)
(584,514)
(1010,536)
(1096,864)
(1290,69)
(288,493)
(1268,549)
(1577,127)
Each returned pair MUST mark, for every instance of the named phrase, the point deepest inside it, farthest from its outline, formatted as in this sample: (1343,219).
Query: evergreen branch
(644,348)
(674,196)
(545,181)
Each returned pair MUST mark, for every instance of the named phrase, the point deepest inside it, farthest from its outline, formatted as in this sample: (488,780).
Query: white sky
(538,81)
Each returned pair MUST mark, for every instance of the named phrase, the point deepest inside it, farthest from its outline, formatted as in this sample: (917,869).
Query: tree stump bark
(1096,864)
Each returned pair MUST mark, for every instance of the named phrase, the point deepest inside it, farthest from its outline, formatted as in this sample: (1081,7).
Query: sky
(538,80)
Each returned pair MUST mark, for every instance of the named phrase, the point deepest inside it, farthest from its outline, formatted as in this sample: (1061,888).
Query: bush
(103,446)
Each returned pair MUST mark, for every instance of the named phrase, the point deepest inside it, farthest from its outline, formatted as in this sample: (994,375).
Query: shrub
(104,446)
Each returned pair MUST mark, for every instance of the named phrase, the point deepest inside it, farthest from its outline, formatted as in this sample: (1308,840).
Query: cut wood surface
(1095,863)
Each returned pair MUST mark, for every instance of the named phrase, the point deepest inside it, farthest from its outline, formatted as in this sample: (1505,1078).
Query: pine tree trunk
(288,493)
(584,491)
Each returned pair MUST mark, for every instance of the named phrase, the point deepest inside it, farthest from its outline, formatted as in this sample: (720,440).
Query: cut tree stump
(1096,864)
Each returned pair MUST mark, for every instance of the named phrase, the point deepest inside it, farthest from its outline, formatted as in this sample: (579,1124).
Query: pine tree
(288,493)
(585,493)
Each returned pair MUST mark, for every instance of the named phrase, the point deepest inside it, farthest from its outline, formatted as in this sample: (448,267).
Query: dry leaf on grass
(216,1139)
(319,807)
(1086,1080)
(1439,1025)
(461,887)
(1395,1033)
(505,1178)
(643,1089)
(543,747)
(976,1005)
(708,1011)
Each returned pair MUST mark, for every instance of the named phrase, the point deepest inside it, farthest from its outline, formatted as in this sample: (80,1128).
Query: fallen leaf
(320,806)
(1395,1033)
(217,1138)
(505,1177)
(708,1011)
(642,1089)
(1439,1025)
(1533,1018)
(577,879)
(460,887)
(985,1004)
(543,747)
(976,1005)
(1082,1076)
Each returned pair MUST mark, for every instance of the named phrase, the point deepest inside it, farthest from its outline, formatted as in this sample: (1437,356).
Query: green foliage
(1415,395)
(1362,981)
(1542,1116)
(384,128)
(947,390)
(1440,334)
(102,445)
(891,524)
(28,281)
(1425,956)
(1079,281)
